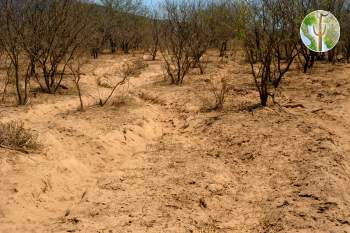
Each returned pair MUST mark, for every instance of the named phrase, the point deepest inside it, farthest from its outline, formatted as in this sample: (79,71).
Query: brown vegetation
(13,135)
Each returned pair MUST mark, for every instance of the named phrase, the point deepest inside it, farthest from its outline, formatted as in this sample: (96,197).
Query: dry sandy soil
(158,162)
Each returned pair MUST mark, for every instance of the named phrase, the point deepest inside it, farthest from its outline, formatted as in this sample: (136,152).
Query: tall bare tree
(270,43)
(11,18)
(176,40)
(154,30)
(200,36)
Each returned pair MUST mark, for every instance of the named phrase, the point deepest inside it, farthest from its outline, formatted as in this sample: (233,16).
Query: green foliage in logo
(320,31)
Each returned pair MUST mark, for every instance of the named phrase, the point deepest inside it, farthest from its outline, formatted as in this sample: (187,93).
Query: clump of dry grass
(151,98)
(14,136)
(104,82)
(219,88)
(134,67)
(123,100)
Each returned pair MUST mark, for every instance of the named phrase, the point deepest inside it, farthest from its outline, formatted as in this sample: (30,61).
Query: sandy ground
(158,162)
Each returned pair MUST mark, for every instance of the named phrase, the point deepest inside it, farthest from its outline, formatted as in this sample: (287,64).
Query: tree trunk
(17,83)
(79,94)
(223,48)
(113,45)
(263,98)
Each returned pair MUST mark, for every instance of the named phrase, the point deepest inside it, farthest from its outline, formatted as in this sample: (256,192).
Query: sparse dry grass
(14,136)
(218,89)
(123,100)
(131,68)
(151,98)
(134,67)
(104,82)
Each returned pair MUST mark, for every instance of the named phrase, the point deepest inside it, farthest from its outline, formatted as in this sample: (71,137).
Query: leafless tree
(54,31)
(154,30)
(12,24)
(200,37)
(176,40)
(75,66)
(123,80)
(128,70)
(123,23)
(345,31)
(221,23)
(271,44)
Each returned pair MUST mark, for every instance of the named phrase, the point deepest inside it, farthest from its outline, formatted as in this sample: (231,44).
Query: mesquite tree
(221,22)
(270,43)
(60,34)
(176,40)
(123,22)
(12,24)
(345,35)
(40,37)
(200,36)
(154,29)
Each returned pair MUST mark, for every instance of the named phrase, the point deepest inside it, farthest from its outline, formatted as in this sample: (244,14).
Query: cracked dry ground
(160,164)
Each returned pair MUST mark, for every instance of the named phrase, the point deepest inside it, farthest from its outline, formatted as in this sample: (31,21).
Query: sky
(149,3)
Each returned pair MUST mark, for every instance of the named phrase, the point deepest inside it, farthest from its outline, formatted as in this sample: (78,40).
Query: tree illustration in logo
(320,31)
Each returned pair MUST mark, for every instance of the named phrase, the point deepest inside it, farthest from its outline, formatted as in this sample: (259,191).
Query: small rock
(202,203)
(67,212)
(185,126)
(214,188)
(104,82)
(147,57)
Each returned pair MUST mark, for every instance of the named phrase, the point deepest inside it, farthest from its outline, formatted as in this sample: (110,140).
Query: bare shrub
(129,69)
(175,73)
(14,136)
(222,21)
(10,42)
(52,38)
(200,37)
(219,89)
(124,79)
(176,41)
(154,28)
(40,38)
(271,44)
(122,23)
(136,66)
(75,68)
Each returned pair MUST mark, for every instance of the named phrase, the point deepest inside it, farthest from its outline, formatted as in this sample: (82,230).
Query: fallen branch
(294,106)
(15,149)
(316,110)
(103,103)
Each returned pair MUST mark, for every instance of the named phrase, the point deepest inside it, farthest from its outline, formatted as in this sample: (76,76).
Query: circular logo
(320,31)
